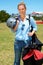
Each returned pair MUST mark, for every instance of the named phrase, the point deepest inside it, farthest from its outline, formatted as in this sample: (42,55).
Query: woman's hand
(31,33)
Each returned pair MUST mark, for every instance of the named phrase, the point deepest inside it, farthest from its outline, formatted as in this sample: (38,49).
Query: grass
(7,44)
(40,32)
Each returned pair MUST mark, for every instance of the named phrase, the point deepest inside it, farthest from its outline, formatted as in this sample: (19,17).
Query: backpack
(34,41)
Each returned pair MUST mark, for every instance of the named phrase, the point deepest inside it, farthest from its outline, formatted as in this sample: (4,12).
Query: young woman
(23,34)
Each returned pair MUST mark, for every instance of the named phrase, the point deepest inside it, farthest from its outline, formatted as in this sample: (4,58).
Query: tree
(3,16)
(42,18)
(37,18)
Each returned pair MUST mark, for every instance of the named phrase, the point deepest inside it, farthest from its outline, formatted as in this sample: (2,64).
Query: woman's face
(22,10)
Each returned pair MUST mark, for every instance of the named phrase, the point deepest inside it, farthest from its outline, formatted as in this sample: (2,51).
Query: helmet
(11,22)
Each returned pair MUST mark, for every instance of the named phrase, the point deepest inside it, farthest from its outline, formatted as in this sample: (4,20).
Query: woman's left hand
(31,33)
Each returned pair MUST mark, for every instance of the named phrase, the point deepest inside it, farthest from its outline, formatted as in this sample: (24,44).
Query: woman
(23,34)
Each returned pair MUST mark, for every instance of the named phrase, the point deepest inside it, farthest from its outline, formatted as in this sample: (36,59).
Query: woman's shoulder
(29,16)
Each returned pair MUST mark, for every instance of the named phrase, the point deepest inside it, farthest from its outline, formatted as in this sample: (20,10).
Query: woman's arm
(34,25)
(15,28)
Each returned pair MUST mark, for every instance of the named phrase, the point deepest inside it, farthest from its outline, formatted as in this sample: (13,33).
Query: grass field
(7,45)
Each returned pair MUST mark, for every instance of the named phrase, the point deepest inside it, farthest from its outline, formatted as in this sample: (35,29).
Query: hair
(22,3)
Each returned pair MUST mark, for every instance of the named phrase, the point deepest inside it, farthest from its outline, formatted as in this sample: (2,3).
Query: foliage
(38,18)
(42,18)
(3,16)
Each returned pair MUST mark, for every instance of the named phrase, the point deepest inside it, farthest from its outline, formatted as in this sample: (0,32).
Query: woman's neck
(22,17)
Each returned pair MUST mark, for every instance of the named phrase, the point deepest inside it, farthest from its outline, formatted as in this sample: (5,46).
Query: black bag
(35,44)
(31,60)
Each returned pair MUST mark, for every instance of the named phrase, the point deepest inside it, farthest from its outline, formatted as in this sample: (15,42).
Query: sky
(10,6)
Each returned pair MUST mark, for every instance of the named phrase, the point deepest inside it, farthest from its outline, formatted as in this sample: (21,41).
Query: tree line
(4,16)
(38,18)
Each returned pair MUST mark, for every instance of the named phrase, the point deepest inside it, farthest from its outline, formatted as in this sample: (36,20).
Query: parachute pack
(32,54)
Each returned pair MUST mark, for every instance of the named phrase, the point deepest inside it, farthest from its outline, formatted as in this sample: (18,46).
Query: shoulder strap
(30,23)
(29,19)
(17,18)
(34,35)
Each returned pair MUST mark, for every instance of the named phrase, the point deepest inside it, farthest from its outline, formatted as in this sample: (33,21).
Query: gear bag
(34,49)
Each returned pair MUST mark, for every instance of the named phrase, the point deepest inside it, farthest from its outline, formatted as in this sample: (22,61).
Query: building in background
(38,14)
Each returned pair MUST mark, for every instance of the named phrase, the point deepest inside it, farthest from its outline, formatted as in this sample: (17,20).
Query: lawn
(7,46)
